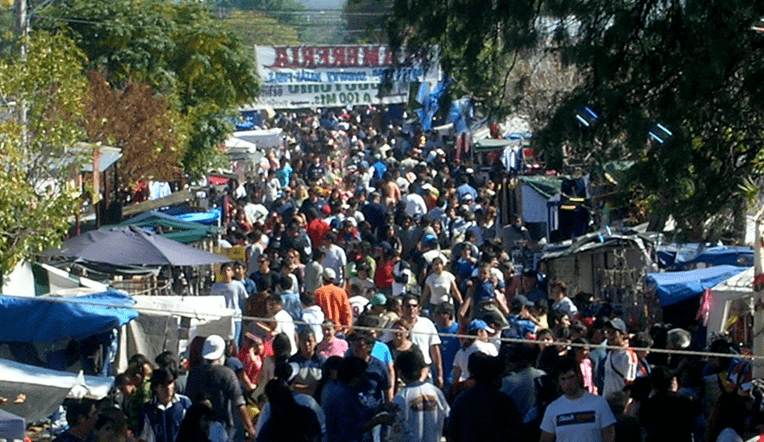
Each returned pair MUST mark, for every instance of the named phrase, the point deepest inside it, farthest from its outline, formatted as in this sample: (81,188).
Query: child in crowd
(421,407)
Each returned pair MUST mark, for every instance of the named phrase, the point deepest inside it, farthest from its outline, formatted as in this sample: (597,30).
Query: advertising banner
(341,75)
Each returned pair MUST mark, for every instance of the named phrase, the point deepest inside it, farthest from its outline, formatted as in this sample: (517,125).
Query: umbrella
(132,246)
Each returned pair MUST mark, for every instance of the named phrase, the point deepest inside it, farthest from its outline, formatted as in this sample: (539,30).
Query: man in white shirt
(577,415)
(415,205)
(284,322)
(425,336)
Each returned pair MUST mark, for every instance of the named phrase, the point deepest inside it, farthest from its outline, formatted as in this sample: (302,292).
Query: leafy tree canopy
(135,119)
(694,68)
(180,48)
(37,160)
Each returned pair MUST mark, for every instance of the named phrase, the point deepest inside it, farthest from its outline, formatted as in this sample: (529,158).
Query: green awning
(547,186)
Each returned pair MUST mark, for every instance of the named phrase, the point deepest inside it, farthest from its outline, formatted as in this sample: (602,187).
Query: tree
(38,196)
(678,99)
(690,73)
(137,120)
(479,42)
(180,49)
(257,28)
(365,20)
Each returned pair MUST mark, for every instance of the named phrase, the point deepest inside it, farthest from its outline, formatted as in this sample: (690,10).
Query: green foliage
(37,161)
(697,68)
(365,20)
(479,41)
(257,28)
(289,13)
(181,49)
(693,67)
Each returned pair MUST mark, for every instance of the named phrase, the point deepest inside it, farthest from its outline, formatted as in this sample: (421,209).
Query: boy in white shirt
(421,406)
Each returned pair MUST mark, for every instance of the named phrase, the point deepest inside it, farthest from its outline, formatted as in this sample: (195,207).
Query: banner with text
(320,76)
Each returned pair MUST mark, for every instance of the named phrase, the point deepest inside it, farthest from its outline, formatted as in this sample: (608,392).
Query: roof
(182,230)
(592,241)
(547,186)
(674,287)
(48,319)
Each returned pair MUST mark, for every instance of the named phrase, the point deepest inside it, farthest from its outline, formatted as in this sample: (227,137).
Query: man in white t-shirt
(424,335)
(577,415)
(284,322)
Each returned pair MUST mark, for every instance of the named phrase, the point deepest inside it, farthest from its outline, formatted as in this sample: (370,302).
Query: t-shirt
(729,435)
(567,306)
(234,293)
(424,335)
(285,324)
(578,420)
(449,346)
(422,408)
(376,382)
(358,305)
(220,385)
(463,356)
(440,287)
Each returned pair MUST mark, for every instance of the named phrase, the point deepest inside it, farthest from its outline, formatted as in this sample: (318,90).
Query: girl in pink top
(581,353)
(331,345)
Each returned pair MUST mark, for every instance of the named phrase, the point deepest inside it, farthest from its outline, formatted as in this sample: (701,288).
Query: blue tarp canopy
(210,217)
(677,256)
(674,287)
(48,319)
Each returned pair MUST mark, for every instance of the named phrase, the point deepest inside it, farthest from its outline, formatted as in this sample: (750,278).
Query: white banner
(321,76)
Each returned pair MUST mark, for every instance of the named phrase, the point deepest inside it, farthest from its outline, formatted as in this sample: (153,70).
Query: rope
(199,314)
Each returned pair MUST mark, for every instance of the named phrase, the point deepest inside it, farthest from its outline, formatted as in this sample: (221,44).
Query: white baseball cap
(214,347)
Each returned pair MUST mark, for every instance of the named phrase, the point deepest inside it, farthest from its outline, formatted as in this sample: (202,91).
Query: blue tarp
(675,287)
(677,256)
(47,319)
(210,217)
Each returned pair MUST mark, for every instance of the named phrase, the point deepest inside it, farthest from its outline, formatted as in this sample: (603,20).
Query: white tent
(262,138)
(34,393)
(732,295)
(170,323)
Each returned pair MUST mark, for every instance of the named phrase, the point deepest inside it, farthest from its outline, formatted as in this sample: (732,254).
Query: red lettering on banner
(308,60)
(371,56)
(295,58)
(339,56)
(281,58)
(323,56)
(352,55)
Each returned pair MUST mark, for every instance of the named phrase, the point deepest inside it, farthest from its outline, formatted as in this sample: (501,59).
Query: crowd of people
(379,302)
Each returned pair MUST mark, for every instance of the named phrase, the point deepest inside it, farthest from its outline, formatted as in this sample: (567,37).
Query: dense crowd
(379,301)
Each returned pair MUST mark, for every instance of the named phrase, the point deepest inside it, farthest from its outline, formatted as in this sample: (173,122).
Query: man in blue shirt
(449,345)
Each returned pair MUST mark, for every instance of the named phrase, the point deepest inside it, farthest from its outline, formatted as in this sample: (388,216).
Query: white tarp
(738,289)
(262,138)
(170,323)
(44,389)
